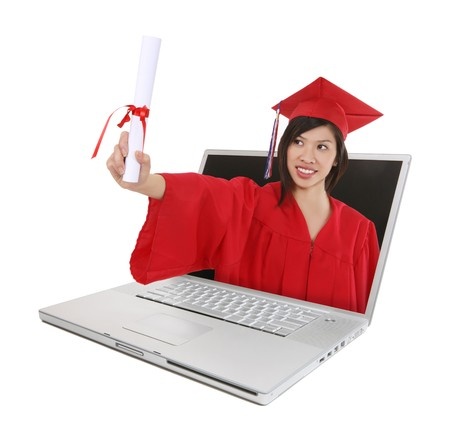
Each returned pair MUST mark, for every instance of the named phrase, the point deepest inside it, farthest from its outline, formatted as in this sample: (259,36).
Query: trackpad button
(168,328)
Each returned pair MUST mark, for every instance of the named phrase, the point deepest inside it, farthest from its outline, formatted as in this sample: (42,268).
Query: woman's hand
(152,185)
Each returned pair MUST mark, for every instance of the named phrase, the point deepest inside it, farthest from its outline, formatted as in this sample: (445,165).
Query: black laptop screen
(368,185)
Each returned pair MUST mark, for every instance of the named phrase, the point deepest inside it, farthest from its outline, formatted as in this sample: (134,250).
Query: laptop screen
(373,185)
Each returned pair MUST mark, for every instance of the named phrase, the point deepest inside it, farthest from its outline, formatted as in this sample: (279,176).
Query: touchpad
(168,328)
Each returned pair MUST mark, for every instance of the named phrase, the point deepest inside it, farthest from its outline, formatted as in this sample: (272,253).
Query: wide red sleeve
(200,221)
(365,267)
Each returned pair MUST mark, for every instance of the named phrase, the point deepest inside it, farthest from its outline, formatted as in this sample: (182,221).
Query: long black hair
(297,127)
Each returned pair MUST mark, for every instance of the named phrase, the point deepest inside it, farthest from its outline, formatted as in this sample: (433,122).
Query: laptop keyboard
(277,317)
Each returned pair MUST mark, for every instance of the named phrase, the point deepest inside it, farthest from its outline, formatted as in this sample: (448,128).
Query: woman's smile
(305,172)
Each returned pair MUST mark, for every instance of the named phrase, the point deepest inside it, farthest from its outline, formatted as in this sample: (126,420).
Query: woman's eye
(322,147)
(298,141)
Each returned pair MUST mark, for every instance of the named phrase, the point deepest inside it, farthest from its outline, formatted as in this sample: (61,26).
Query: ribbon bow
(141,112)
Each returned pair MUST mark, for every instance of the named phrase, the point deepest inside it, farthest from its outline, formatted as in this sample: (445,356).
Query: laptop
(209,331)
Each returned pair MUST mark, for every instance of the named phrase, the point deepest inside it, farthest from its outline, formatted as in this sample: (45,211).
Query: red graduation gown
(237,228)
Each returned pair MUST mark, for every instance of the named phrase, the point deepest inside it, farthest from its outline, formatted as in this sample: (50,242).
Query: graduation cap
(323,99)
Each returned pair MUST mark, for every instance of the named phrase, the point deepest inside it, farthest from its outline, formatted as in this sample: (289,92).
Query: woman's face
(311,156)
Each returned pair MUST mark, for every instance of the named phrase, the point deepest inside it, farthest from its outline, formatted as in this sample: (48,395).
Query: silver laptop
(251,344)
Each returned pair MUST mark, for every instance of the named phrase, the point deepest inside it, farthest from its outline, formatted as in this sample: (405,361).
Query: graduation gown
(237,228)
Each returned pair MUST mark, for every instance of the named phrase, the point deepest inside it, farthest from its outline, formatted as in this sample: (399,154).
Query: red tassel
(273,143)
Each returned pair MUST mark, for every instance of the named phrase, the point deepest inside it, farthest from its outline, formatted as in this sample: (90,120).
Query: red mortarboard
(322,99)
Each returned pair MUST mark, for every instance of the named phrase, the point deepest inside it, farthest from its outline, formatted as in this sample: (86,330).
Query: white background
(67,230)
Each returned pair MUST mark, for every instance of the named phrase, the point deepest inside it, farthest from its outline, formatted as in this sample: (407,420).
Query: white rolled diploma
(143,96)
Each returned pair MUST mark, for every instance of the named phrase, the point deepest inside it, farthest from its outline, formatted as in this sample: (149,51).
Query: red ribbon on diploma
(141,112)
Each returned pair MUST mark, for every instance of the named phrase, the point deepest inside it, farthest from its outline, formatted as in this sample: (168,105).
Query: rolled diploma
(143,96)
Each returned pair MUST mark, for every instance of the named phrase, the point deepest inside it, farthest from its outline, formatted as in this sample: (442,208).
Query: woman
(289,237)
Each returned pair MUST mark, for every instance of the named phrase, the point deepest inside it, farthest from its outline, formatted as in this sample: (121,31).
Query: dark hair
(296,127)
